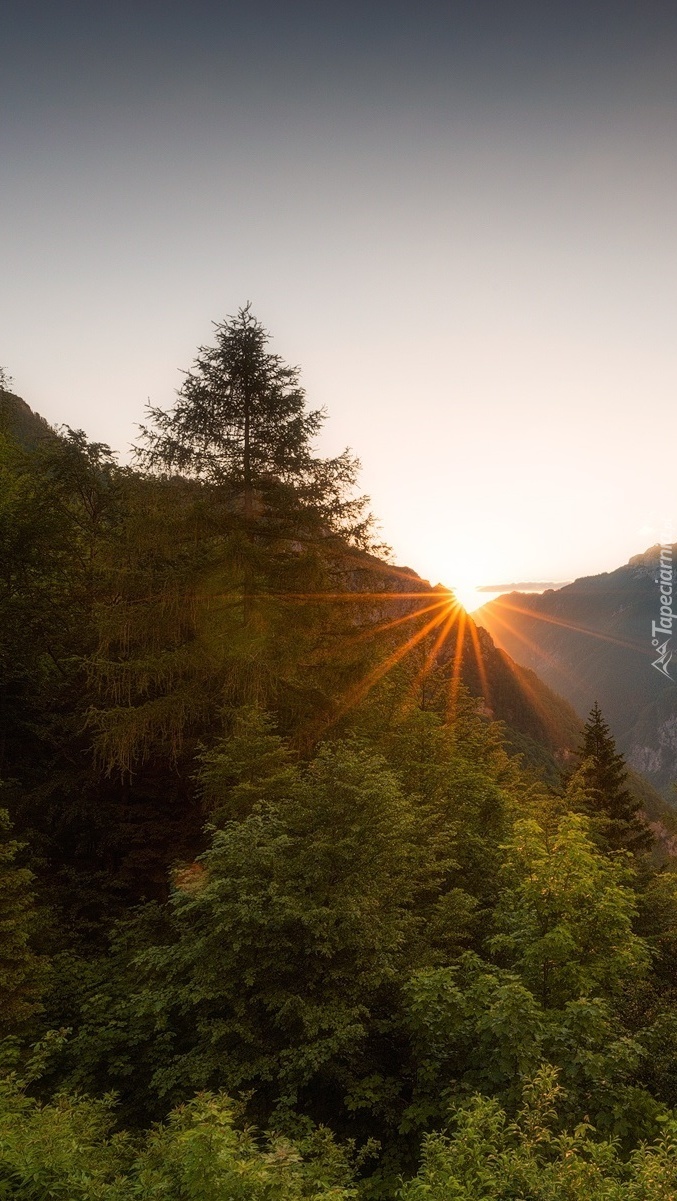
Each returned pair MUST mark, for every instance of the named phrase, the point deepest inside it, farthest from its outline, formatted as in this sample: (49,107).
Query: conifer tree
(241,423)
(604,776)
(252,765)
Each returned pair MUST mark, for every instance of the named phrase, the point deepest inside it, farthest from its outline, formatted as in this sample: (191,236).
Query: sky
(458,219)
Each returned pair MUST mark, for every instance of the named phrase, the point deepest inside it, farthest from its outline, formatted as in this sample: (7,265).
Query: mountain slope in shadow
(591,640)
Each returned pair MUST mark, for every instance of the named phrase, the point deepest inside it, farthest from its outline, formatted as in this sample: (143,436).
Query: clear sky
(459,219)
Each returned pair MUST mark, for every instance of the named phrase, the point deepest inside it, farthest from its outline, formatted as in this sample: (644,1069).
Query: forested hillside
(306,889)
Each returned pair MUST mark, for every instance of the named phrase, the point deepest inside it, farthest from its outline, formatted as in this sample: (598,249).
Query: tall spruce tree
(241,423)
(604,776)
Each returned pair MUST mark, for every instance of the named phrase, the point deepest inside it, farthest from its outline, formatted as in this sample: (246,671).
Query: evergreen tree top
(241,423)
(604,775)
(240,415)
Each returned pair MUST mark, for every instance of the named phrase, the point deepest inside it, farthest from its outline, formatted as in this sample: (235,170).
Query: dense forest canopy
(305,888)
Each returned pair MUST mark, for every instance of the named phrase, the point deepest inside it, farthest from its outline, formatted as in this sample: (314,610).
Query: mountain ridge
(591,640)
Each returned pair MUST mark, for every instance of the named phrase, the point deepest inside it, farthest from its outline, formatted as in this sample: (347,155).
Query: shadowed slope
(591,640)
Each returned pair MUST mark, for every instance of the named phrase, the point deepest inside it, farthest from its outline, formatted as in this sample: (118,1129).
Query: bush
(69,1149)
(488,1157)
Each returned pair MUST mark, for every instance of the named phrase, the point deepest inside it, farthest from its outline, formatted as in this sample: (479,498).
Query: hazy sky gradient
(458,219)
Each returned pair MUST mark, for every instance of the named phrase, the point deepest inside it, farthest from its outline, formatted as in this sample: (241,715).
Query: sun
(468,595)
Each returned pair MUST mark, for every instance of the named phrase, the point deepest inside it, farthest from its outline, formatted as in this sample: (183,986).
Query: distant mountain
(591,640)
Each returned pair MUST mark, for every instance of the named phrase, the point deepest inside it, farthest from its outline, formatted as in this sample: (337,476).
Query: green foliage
(61,508)
(473,1027)
(489,1156)
(70,1148)
(604,777)
(23,973)
(302,958)
(249,766)
(223,546)
(294,928)
(175,653)
(152,676)
(39,595)
(476,1028)
(565,914)
(280,849)
(462,778)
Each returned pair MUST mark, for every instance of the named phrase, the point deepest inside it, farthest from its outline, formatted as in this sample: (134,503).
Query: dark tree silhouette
(241,423)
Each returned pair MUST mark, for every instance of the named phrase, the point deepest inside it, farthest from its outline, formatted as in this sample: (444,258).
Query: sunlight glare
(469,596)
